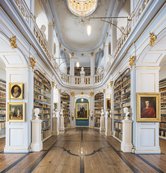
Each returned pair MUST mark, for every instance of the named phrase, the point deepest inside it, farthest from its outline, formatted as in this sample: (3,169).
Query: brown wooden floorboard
(84,150)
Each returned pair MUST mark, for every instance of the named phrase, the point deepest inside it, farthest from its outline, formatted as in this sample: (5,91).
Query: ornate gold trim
(132,61)
(72,93)
(32,62)
(153,39)
(12,41)
(91,94)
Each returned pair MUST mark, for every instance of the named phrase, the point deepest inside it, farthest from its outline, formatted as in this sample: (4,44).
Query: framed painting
(148,107)
(16,91)
(16,112)
(82,110)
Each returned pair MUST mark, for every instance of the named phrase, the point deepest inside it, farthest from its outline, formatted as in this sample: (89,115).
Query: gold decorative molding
(91,94)
(132,61)
(72,93)
(153,39)
(82,93)
(111,83)
(32,62)
(12,41)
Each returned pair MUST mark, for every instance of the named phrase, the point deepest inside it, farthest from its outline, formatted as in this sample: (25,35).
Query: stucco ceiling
(71,29)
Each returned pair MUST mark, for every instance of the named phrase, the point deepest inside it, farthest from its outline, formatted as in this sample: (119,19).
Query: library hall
(82,86)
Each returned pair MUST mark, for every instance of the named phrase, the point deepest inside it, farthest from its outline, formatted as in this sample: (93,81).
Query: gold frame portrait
(148,104)
(18,108)
(20,91)
(87,105)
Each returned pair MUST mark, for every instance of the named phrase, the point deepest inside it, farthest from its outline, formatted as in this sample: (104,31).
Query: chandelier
(82,7)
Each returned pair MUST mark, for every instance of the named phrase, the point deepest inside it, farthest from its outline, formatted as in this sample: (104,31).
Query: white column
(91,118)
(50,38)
(62,125)
(72,65)
(108,124)
(114,37)
(18,134)
(72,117)
(146,134)
(92,68)
(82,74)
(102,123)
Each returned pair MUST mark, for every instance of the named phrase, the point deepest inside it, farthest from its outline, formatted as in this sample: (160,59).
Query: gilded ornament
(13,43)
(153,38)
(32,62)
(91,94)
(111,83)
(132,61)
(72,94)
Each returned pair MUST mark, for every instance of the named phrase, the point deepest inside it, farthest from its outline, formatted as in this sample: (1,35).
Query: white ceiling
(71,29)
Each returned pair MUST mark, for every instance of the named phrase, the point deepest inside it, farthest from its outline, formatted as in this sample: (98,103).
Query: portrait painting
(16,112)
(148,107)
(16,91)
(82,110)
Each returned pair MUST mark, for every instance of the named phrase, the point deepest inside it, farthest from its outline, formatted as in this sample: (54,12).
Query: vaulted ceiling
(72,30)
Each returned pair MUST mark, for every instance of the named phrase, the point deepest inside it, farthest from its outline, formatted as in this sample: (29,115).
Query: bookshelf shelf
(65,105)
(42,100)
(121,100)
(99,104)
(162,129)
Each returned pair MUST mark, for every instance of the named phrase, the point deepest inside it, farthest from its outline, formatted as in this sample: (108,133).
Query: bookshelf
(121,99)
(98,106)
(162,129)
(42,100)
(2,107)
(65,105)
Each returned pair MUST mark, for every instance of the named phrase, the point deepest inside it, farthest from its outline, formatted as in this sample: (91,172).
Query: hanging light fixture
(77,64)
(89,30)
(82,100)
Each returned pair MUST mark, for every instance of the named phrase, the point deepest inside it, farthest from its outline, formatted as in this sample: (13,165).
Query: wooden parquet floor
(83,150)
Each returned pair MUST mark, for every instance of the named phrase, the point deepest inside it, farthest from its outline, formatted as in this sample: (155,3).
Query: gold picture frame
(148,107)
(16,91)
(16,112)
(82,110)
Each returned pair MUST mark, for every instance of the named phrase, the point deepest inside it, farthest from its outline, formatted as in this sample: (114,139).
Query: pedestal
(54,126)
(108,126)
(126,144)
(37,143)
(102,127)
(62,127)
(91,122)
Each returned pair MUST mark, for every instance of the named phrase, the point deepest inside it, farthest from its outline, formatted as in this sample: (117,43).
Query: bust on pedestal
(126,144)
(108,123)
(37,143)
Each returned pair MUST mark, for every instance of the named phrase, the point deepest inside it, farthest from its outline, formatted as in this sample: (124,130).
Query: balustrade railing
(77,80)
(135,16)
(30,21)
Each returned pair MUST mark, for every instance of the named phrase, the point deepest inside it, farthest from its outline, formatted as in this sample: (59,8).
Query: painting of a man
(16,91)
(148,107)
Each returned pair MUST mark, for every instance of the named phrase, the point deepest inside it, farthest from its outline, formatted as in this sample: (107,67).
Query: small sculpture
(37,111)
(126,111)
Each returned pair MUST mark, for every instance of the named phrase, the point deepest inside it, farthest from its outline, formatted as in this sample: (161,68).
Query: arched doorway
(82,112)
